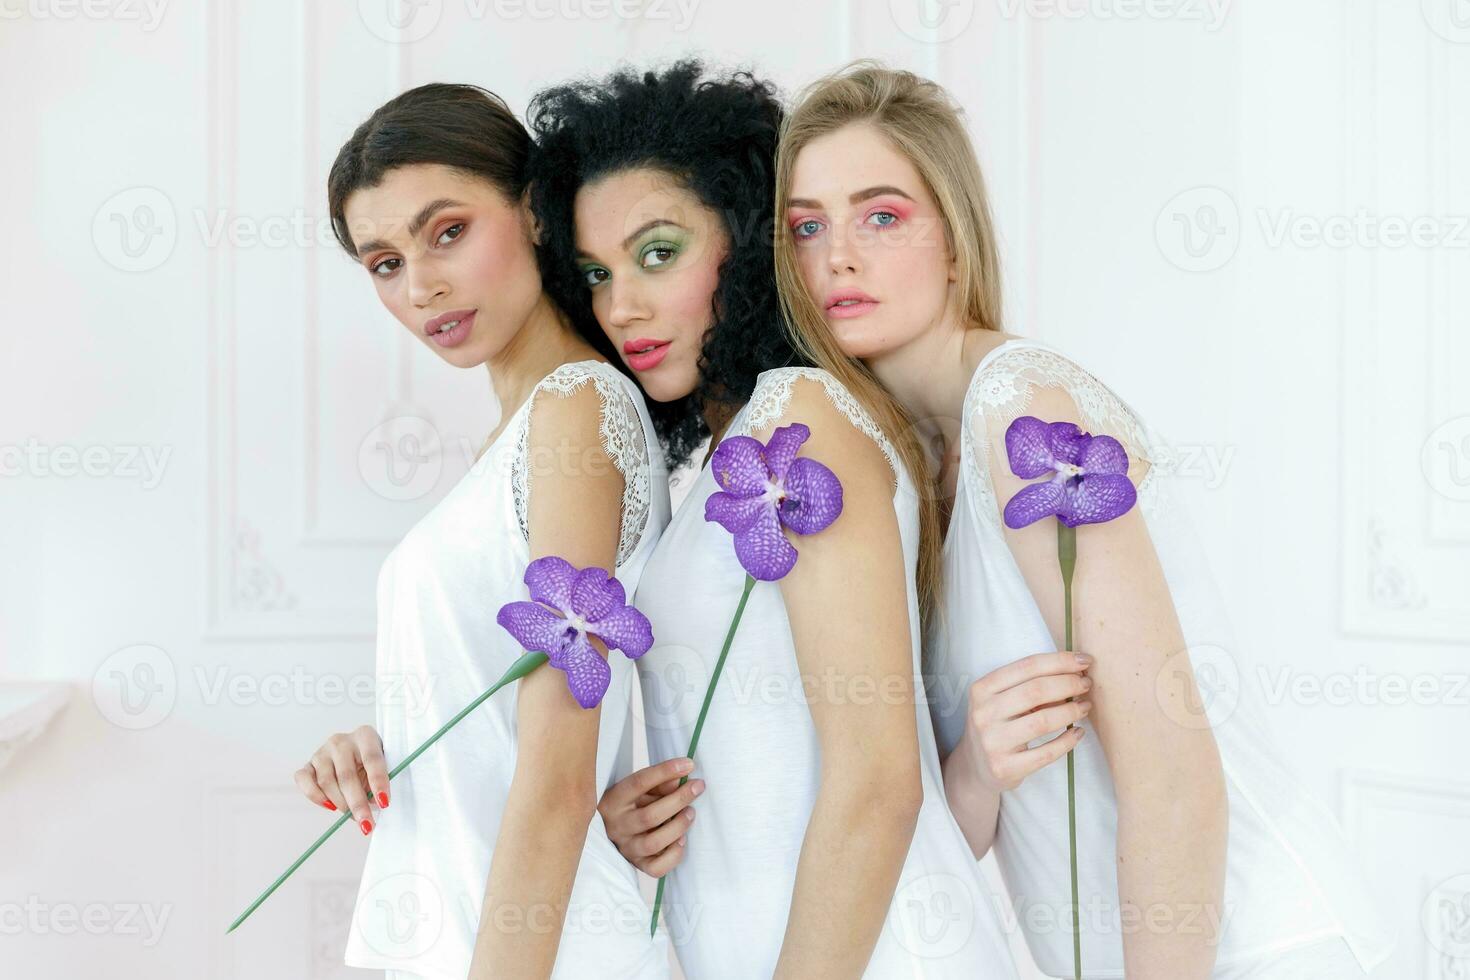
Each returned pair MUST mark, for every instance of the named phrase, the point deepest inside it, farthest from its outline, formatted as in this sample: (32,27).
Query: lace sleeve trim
(768,403)
(1000,392)
(622,440)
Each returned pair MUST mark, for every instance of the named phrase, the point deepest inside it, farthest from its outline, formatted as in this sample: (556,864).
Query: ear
(528,216)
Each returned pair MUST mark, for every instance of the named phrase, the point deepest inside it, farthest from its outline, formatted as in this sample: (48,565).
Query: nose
(842,255)
(425,285)
(627,303)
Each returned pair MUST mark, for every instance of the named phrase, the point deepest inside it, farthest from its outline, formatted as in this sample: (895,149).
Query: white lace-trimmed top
(727,903)
(1291,878)
(423,883)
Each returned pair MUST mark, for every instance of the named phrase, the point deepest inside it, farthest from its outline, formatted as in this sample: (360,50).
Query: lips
(848,297)
(846,303)
(645,353)
(436,324)
(450,329)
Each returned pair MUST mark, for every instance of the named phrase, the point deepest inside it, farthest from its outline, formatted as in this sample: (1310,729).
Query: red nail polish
(330,805)
(367,827)
(383,800)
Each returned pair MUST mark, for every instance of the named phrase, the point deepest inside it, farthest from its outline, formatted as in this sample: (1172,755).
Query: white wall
(173,299)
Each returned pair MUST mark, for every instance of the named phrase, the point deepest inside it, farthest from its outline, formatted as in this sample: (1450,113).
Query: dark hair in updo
(716,136)
(460,126)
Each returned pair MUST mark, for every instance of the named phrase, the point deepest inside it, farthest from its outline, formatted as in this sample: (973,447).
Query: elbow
(561,796)
(889,795)
(1186,786)
(909,796)
(1201,777)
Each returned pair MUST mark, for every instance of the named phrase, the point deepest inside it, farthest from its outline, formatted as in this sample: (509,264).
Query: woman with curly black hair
(705,148)
(825,848)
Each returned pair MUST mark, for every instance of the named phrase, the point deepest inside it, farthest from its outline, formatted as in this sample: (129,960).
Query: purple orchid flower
(763,487)
(583,602)
(1089,484)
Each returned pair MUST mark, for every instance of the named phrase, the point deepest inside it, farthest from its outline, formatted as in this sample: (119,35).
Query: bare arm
(1172,810)
(575,511)
(976,807)
(868,802)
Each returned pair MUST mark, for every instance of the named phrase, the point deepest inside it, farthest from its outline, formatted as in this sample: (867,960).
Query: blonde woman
(1198,855)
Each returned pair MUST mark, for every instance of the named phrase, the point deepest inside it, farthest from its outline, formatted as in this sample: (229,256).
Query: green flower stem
(1067,558)
(709,695)
(527,663)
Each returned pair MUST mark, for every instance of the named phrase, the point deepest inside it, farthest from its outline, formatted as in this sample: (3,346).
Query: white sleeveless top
(727,903)
(423,885)
(1291,878)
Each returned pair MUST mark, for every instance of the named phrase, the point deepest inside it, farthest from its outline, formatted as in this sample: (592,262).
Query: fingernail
(1086,707)
(383,800)
(690,814)
(698,788)
(1084,659)
(367,827)
(683,839)
(684,765)
(330,805)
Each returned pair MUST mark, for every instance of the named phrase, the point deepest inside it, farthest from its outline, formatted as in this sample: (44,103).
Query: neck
(930,375)
(545,342)
(717,416)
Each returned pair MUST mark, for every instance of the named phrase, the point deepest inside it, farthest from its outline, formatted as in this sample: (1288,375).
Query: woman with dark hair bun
(824,847)
(492,863)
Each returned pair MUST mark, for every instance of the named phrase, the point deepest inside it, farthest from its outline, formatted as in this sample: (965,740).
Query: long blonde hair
(922,122)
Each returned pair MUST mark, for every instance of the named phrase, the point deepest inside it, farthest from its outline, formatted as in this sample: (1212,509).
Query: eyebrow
(415,226)
(656,222)
(853,198)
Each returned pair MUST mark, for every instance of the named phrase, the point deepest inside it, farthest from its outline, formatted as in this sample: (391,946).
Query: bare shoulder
(843,435)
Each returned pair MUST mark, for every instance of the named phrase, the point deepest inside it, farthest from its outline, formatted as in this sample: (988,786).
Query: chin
(666,386)
(865,340)
(859,346)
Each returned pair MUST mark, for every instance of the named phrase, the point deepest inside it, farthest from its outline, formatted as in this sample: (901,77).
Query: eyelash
(804,221)
(810,221)
(373,269)
(669,247)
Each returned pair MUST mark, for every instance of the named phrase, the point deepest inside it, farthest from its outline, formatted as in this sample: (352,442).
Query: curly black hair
(717,136)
